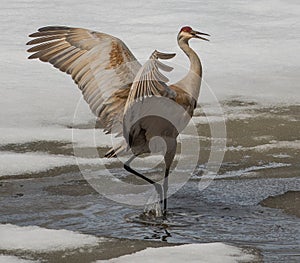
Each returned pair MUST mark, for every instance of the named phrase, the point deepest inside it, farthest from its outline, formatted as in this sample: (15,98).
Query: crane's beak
(197,34)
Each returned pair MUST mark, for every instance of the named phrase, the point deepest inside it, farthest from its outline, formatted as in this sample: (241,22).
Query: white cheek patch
(185,34)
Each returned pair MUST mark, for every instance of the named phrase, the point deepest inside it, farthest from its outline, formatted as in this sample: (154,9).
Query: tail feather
(113,152)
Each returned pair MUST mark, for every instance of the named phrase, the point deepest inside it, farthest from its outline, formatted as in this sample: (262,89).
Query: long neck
(192,81)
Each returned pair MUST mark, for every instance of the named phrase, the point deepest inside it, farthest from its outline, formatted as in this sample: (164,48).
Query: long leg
(169,157)
(157,186)
(166,186)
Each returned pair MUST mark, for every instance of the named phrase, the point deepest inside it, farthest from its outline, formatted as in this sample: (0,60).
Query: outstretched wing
(149,81)
(100,64)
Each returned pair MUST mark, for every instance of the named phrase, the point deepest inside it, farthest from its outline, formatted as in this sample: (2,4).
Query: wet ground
(253,203)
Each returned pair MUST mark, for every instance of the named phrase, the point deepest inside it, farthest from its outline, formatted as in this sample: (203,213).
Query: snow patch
(79,137)
(200,253)
(13,259)
(251,169)
(268,146)
(281,155)
(23,163)
(39,239)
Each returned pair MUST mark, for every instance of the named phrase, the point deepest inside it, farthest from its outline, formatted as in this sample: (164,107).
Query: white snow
(191,253)
(32,162)
(281,155)
(253,52)
(39,239)
(78,137)
(273,144)
(207,119)
(13,259)
(21,163)
(248,171)
(251,169)
(12,163)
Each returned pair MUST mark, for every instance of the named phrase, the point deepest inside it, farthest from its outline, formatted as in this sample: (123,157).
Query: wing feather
(63,56)
(149,81)
(100,64)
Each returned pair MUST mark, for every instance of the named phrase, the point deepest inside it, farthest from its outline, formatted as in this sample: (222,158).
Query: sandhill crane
(113,82)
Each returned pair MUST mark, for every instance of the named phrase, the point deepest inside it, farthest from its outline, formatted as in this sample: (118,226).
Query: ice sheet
(253,52)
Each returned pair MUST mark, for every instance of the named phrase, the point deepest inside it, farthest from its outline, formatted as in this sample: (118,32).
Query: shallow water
(217,214)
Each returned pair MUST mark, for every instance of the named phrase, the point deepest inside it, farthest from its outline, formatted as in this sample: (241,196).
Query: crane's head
(187,33)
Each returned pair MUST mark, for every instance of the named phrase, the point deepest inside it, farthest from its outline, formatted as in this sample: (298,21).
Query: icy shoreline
(34,239)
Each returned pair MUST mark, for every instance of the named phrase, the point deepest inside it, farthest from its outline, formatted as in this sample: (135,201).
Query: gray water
(217,214)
